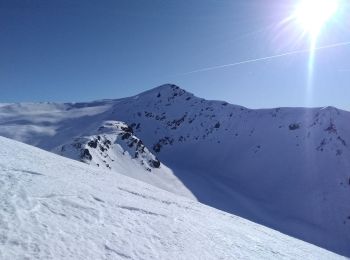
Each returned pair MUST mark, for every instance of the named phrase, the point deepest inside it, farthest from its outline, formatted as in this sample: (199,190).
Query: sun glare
(312,15)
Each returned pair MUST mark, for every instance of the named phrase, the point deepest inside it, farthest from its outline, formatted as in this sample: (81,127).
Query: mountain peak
(165,90)
(167,86)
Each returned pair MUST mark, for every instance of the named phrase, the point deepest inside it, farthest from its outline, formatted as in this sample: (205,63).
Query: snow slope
(72,130)
(56,208)
(286,168)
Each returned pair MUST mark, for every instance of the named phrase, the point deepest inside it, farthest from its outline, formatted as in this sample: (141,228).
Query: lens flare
(312,15)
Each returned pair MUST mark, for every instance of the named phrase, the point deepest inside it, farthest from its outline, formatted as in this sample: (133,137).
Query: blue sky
(70,50)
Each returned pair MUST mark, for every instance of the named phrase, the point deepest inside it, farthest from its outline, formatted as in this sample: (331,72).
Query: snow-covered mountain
(56,208)
(82,132)
(286,168)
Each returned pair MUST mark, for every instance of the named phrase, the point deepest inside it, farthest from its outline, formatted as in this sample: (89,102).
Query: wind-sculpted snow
(56,208)
(286,168)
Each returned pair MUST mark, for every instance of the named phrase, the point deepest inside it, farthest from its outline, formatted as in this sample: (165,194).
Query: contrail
(267,58)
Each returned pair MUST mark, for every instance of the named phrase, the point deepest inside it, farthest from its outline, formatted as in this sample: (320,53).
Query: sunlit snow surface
(285,168)
(57,208)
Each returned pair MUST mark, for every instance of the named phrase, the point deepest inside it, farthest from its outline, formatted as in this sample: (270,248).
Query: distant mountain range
(285,168)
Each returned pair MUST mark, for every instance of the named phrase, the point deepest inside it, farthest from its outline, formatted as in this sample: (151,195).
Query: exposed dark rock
(102,148)
(148,114)
(107,143)
(86,154)
(322,144)
(126,136)
(127,129)
(166,140)
(294,126)
(331,128)
(177,122)
(160,118)
(342,141)
(155,163)
(93,143)
(140,145)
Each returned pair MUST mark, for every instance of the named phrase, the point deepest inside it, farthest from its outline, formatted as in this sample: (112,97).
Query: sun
(312,15)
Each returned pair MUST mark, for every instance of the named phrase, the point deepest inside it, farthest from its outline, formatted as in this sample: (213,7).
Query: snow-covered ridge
(114,147)
(96,148)
(286,168)
(55,208)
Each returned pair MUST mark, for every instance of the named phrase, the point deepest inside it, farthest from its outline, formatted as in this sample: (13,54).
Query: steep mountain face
(55,208)
(286,168)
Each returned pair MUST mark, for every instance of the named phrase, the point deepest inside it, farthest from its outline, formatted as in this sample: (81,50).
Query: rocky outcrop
(112,140)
